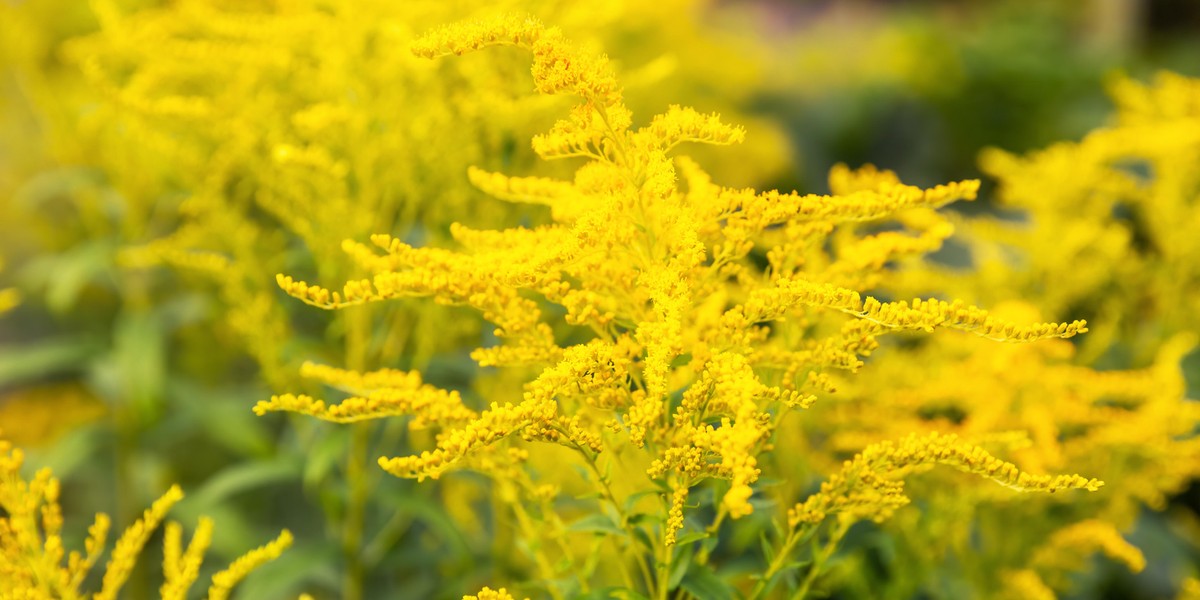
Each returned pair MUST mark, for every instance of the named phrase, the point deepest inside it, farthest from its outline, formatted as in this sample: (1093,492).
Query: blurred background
(160,162)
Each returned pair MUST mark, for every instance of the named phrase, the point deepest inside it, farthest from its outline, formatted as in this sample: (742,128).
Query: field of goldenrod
(408,299)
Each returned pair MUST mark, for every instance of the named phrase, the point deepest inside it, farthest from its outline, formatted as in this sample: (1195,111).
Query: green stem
(533,536)
(356,503)
(760,587)
(821,557)
(358,485)
(607,493)
(781,558)
(664,561)
(712,530)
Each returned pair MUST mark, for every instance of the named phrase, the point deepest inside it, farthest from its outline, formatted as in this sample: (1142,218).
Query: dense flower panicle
(1073,544)
(429,406)
(681,344)
(561,196)
(356,383)
(228,133)
(32,552)
(675,515)
(460,38)
(494,424)
(1114,234)
(488,593)
(867,486)
(684,124)
(377,394)
(223,581)
(558,67)
(129,546)
(1133,429)
(1026,584)
(772,303)
(180,567)
(756,211)
(692,323)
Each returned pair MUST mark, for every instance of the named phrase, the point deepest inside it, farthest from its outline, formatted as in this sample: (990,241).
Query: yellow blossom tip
(224,581)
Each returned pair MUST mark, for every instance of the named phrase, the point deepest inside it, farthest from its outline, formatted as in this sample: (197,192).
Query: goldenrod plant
(691,325)
(1133,429)
(1094,228)
(237,140)
(32,548)
(607,363)
(1107,219)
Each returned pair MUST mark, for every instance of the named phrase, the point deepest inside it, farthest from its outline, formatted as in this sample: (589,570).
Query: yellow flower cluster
(250,139)
(709,316)
(32,552)
(1113,234)
(866,486)
(488,593)
(1100,231)
(377,394)
(1134,429)
(1067,551)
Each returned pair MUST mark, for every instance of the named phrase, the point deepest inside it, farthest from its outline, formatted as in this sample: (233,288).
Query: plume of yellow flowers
(1106,218)
(32,552)
(708,315)
(488,593)
(1099,227)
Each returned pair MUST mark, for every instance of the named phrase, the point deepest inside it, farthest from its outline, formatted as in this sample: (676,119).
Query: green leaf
(611,511)
(632,500)
(65,275)
(767,550)
(694,536)
(583,473)
(420,507)
(331,445)
(596,523)
(702,582)
(224,417)
(240,478)
(797,564)
(644,539)
(680,563)
(609,593)
(72,451)
(134,373)
(652,519)
(50,357)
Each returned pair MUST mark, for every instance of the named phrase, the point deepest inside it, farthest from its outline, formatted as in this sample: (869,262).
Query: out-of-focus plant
(924,86)
(1134,429)
(696,325)
(9,297)
(32,547)
(1096,228)
(1108,220)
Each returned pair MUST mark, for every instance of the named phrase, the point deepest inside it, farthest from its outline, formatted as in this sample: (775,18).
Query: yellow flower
(32,552)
